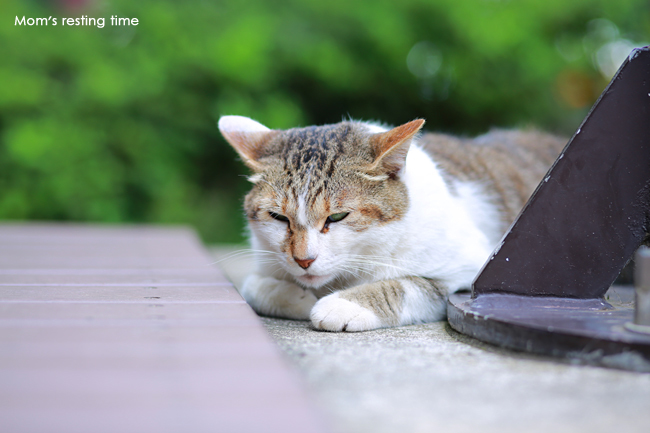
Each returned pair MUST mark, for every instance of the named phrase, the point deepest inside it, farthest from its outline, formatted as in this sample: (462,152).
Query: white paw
(333,313)
(279,298)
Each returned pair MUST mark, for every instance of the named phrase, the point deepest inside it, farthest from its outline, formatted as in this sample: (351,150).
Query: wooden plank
(132,329)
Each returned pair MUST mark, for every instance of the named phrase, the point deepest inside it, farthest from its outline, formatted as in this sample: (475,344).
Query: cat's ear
(392,146)
(247,137)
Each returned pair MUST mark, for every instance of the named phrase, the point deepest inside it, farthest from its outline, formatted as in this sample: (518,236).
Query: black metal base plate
(588,331)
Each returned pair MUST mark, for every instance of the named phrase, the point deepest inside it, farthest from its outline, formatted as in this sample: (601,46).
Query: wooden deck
(131,329)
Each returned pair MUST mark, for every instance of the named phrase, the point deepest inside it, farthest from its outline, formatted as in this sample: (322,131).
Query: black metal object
(542,289)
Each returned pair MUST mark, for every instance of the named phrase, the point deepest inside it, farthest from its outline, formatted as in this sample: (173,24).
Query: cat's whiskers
(380,258)
(356,272)
(339,280)
(278,268)
(267,261)
(243,252)
(329,287)
(409,265)
(391,259)
(363,261)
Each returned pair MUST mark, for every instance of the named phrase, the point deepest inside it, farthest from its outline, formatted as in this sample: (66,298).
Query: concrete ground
(426,378)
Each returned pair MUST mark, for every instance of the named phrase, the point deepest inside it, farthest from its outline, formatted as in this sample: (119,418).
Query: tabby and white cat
(358,227)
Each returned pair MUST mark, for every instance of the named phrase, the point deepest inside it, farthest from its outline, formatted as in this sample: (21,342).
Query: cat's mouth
(313,280)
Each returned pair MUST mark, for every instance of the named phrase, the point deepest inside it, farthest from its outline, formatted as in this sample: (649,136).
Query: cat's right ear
(247,137)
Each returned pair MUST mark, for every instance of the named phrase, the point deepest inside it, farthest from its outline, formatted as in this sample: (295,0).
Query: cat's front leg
(272,297)
(401,301)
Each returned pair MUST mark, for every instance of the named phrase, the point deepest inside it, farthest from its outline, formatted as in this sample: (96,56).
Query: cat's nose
(304,263)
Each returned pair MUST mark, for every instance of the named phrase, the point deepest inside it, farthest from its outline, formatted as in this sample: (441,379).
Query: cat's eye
(334,218)
(279,217)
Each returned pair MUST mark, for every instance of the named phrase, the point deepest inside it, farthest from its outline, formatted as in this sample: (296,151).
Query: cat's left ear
(392,146)
(247,137)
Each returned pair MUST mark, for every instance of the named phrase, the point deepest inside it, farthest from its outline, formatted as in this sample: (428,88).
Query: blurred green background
(118,124)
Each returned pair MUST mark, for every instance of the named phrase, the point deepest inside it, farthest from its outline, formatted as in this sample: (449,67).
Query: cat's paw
(333,313)
(271,297)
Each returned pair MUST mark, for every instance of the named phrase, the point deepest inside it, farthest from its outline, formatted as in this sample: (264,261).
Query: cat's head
(323,196)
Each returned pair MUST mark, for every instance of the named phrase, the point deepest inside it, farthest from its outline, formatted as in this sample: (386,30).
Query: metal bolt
(642,292)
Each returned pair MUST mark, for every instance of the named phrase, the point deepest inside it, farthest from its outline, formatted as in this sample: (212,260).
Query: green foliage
(117,124)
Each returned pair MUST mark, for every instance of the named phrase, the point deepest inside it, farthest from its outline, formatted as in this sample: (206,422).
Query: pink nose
(304,263)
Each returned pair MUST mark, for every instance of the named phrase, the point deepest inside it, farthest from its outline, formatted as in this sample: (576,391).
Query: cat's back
(508,164)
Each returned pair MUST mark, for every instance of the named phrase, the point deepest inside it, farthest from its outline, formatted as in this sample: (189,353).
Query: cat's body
(358,227)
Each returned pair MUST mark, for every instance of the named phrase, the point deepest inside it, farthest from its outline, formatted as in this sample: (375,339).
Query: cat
(356,226)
